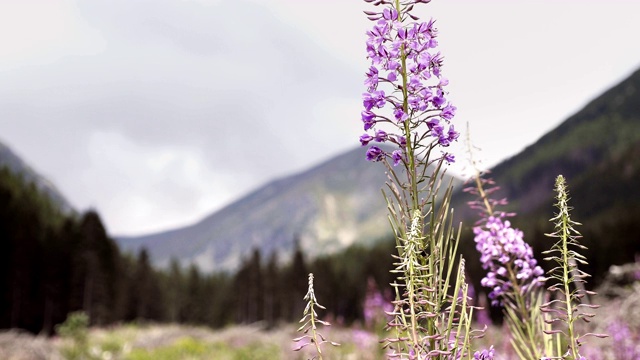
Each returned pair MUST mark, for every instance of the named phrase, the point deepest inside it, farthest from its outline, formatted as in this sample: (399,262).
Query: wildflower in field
(513,276)
(407,108)
(512,270)
(509,261)
(376,306)
(404,78)
(625,343)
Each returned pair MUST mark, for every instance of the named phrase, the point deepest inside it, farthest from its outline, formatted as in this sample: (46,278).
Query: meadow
(546,308)
(619,316)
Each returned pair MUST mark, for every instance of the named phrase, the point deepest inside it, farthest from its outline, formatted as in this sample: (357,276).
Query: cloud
(187,106)
(158,112)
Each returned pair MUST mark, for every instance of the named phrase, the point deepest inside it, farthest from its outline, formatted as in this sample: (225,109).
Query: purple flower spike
(403,62)
(502,246)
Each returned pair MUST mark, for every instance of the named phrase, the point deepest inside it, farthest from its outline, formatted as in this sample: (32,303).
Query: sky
(157,113)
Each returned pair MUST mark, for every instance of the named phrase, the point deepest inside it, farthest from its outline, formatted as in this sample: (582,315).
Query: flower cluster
(404,62)
(376,306)
(486,354)
(624,345)
(503,254)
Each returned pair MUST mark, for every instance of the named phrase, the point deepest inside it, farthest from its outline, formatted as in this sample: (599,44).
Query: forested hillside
(597,150)
(52,264)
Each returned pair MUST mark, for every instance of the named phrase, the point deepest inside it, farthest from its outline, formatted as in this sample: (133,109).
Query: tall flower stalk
(570,305)
(513,276)
(406,105)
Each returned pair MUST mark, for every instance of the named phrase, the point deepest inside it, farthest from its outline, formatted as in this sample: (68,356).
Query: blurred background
(191,161)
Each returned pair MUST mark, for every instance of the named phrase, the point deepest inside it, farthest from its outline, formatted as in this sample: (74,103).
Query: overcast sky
(158,112)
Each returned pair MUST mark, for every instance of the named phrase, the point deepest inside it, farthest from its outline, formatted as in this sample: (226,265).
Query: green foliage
(254,350)
(432,317)
(75,329)
(526,324)
(181,349)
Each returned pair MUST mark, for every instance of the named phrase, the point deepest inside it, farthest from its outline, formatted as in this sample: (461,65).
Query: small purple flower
(368,119)
(398,156)
(400,115)
(390,14)
(449,158)
(375,154)
(372,78)
(373,99)
(438,101)
(381,136)
(435,127)
(446,140)
(448,112)
(443,140)
(392,65)
(452,134)
(365,139)
(392,77)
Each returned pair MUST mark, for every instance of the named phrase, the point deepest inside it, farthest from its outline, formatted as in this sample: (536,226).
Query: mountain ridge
(328,218)
(323,209)
(16,165)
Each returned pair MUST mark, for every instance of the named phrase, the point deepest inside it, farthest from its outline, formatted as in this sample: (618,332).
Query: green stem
(521,305)
(407,125)
(567,293)
(414,188)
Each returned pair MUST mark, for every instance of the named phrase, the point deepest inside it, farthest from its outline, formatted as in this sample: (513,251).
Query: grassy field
(142,342)
(619,317)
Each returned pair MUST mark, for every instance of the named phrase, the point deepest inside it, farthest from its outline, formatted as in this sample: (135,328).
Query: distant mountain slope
(18,166)
(338,203)
(326,208)
(579,148)
(598,151)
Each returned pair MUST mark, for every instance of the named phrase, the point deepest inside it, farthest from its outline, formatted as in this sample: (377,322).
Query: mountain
(598,151)
(594,146)
(325,209)
(338,203)
(18,166)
